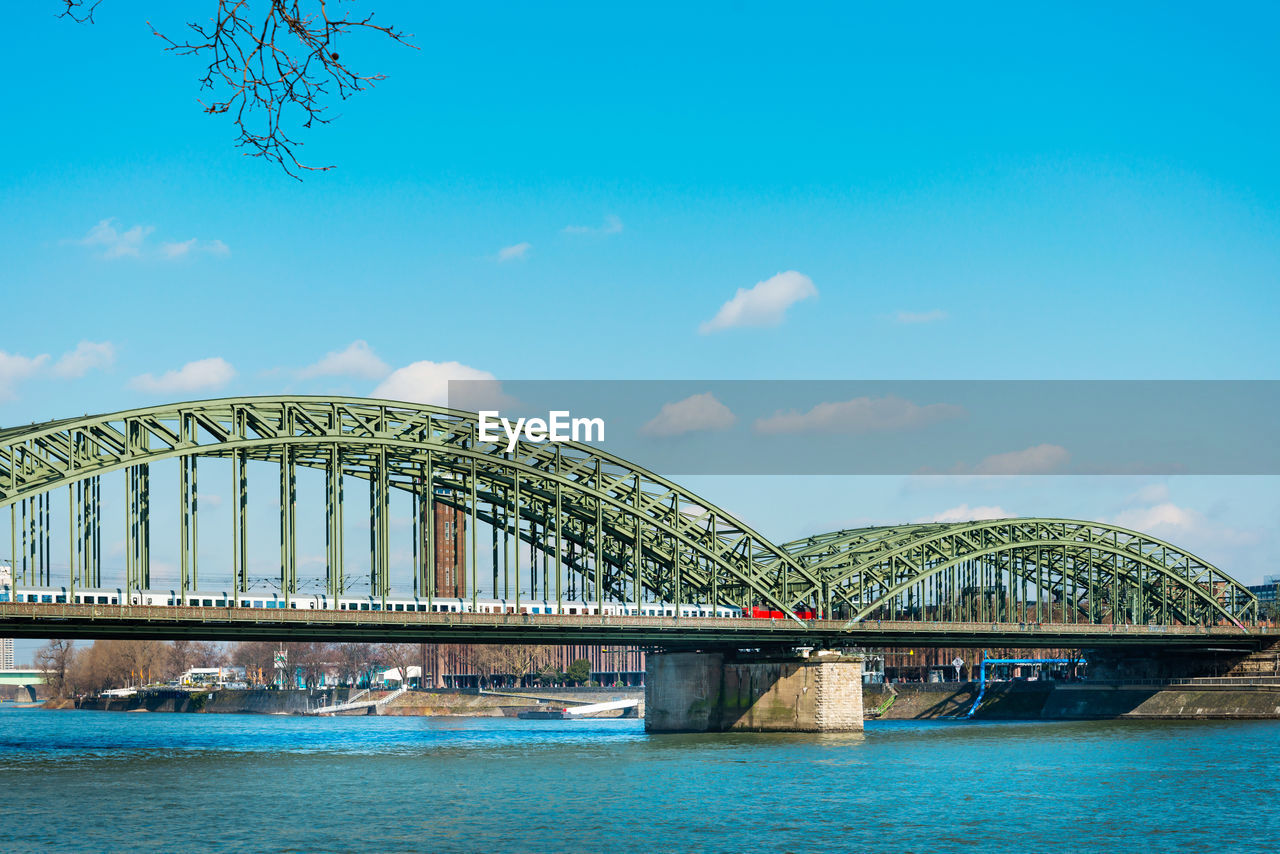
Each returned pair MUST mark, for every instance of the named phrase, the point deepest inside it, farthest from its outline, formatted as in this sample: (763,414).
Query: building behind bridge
(465,665)
(1268,593)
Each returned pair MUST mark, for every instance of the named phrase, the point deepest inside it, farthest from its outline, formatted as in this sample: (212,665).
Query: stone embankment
(1072,701)
(431,702)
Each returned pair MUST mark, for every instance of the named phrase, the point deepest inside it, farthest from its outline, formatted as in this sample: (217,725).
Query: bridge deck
(30,620)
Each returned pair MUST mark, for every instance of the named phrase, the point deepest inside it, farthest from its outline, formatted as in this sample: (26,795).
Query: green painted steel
(22,677)
(610,529)
(629,533)
(229,623)
(1021,571)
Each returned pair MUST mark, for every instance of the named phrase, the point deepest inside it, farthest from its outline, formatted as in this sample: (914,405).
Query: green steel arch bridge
(544,522)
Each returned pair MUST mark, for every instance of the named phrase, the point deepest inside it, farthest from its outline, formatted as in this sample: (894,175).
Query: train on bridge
(321,601)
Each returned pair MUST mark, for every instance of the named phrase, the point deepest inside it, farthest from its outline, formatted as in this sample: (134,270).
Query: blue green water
(102,781)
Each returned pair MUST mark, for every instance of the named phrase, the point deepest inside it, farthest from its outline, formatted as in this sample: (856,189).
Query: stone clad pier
(780,692)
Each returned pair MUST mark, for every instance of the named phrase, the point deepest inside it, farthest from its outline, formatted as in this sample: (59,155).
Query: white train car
(321,601)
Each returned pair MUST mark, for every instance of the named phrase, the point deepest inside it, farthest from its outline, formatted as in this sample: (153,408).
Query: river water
(104,781)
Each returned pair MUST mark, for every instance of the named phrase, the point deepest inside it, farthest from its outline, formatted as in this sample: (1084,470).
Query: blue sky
(1004,192)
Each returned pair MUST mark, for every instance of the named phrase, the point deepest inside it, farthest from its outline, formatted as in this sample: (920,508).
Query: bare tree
(258,660)
(56,658)
(509,661)
(311,660)
(399,655)
(115,664)
(353,660)
(267,59)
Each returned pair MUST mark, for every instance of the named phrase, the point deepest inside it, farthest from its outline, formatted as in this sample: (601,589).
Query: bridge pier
(760,692)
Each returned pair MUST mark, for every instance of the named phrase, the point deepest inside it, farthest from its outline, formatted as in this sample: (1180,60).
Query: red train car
(766,614)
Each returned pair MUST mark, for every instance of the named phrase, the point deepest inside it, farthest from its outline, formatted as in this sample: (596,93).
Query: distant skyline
(727,191)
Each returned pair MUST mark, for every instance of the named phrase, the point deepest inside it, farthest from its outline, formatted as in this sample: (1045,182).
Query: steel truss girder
(667,526)
(1103,558)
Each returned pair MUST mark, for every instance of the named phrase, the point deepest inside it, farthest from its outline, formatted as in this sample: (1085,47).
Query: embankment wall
(1070,701)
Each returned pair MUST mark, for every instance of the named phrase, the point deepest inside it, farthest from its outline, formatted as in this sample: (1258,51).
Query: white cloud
(116,243)
(518,252)
(87,356)
(1039,459)
(14,369)
(763,305)
(1152,493)
(1166,516)
(699,412)
(177,250)
(193,376)
(357,360)
(860,415)
(612,225)
(132,243)
(428,382)
(920,316)
(965,513)
(180,249)
(1183,526)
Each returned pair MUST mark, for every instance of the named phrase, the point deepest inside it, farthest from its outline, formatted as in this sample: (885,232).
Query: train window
(293,604)
(399,606)
(60,599)
(364,606)
(221,603)
(257,603)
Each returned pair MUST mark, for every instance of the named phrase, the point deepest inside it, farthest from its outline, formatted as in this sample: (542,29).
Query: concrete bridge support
(718,692)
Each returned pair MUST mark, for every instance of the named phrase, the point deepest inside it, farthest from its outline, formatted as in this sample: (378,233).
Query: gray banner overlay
(808,427)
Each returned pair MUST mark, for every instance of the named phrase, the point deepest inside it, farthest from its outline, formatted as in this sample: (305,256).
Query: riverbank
(1046,701)
(1066,701)
(434,703)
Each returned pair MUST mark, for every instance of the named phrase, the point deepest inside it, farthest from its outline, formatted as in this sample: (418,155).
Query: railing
(1191,681)
(406,619)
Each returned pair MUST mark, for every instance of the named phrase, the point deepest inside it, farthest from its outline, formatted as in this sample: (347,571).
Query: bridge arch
(1020,570)
(617,530)
(622,531)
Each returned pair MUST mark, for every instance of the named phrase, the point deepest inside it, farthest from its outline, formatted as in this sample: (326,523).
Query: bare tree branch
(269,62)
(80,11)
